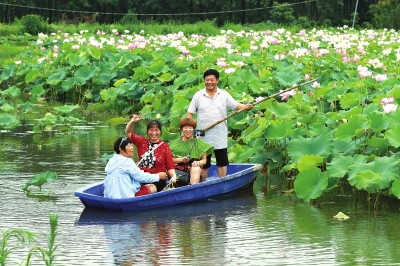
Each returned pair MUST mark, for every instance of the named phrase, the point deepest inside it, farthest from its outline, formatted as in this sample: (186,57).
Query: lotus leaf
(9,121)
(321,145)
(341,216)
(308,161)
(310,184)
(356,125)
(396,188)
(8,71)
(278,130)
(377,174)
(77,60)
(84,73)
(393,136)
(66,109)
(11,92)
(288,77)
(40,179)
(32,76)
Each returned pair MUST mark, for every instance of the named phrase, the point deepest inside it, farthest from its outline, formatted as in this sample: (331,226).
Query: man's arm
(189,115)
(241,106)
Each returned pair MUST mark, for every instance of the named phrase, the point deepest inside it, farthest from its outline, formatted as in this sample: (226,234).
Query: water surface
(248,228)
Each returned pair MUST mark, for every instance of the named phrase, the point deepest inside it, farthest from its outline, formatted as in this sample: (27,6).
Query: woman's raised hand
(136,118)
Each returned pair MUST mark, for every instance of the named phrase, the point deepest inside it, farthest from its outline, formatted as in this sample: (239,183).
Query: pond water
(255,227)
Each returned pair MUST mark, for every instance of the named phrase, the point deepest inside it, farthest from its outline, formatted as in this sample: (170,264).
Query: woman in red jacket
(154,155)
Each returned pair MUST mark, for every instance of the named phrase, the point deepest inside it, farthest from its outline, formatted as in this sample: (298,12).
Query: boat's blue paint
(239,176)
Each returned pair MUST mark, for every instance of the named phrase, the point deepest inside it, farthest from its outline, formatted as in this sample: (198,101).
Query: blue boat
(239,176)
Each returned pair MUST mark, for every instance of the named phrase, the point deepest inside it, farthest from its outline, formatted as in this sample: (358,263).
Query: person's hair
(122,142)
(209,72)
(153,123)
(187,122)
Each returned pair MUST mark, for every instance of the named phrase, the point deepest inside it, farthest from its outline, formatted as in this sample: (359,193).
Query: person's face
(187,132)
(211,82)
(128,152)
(154,133)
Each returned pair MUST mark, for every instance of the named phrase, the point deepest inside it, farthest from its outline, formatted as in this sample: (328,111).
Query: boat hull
(239,176)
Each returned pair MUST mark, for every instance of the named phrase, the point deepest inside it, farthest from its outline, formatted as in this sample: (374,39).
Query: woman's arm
(128,128)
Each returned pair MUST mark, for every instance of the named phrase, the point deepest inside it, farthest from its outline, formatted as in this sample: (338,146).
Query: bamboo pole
(267,98)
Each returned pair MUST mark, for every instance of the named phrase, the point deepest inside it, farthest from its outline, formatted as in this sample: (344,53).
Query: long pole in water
(267,98)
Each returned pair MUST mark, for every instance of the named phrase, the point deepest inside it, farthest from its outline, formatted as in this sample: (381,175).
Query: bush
(33,24)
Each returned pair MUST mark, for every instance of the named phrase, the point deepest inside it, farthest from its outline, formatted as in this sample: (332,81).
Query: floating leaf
(341,216)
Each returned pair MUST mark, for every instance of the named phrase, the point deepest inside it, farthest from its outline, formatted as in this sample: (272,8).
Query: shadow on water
(182,213)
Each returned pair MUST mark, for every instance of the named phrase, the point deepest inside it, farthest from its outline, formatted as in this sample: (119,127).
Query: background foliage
(309,13)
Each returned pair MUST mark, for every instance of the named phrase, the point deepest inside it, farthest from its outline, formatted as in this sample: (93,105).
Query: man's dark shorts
(221,157)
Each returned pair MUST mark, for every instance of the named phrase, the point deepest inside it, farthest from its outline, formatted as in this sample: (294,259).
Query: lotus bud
(255,115)
(344,120)
(311,93)
(298,124)
(339,96)
(158,116)
(332,104)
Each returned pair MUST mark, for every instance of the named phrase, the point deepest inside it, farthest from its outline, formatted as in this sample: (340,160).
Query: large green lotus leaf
(350,99)
(157,68)
(367,180)
(84,73)
(321,92)
(238,89)
(321,145)
(11,92)
(123,62)
(6,108)
(32,75)
(115,121)
(37,91)
(339,165)
(77,60)
(56,78)
(66,109)
(119,82)
(288,77)
(180,105)
(377,143)
(310,184)
(26,107)
(245,76)
(386,167)
(393,136)
(8,121)
(278,129)
(8,71)
(394,118)
(335,93)
(148,97)
(282,110)
(92,51)
(396,188)
(318,129)
(68,84)
(166,77)
(257,87)
(109,95)
(308,161)
(185,78)
(106,78)
(379,122)
(346,131)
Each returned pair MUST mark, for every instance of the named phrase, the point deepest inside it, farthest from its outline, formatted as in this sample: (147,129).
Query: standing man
(211,104)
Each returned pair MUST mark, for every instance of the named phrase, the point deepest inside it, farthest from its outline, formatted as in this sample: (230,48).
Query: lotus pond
(256,227)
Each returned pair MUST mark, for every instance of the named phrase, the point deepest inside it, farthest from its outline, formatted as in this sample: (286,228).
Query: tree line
(308,13)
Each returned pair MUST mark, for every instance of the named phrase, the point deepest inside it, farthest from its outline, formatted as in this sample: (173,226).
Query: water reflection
(158,236)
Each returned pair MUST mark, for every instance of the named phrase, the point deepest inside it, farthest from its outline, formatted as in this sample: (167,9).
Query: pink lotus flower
(316,85)
(380,77)
(388,108)
(306,76)
(287,94)
(385,101)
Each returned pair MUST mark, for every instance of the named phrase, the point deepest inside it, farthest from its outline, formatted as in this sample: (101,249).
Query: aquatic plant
(22,237)
(39,180)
